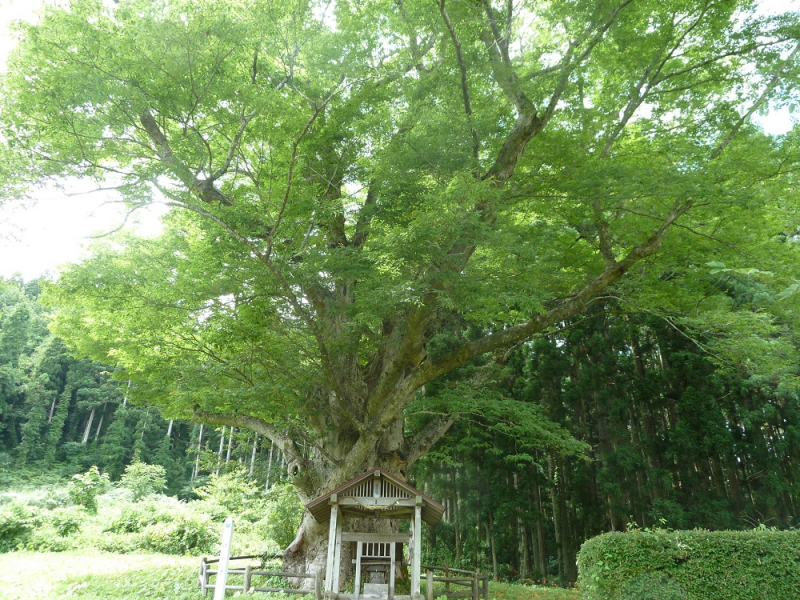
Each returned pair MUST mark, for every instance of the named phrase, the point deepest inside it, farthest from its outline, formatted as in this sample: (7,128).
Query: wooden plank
(224,556)
(318,585)
(376,484)
(337,556)
(359,550)
(392,566)
(281,590)
(285,574)
(450,569)
(204,576)
(361,501)
(417,550)
(331,547)
(392,513)
(429,584)
(349,536)
(210,560)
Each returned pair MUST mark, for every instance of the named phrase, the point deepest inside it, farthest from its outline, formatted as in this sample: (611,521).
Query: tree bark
(88,428)
(219,452)
(196,470)
(492,545)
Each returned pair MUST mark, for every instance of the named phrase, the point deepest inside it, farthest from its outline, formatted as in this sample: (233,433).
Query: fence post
(203,576)
(485,586)
(247,575)
(224,557)
(475,595)
(318,585)
(447,582)
(429,584)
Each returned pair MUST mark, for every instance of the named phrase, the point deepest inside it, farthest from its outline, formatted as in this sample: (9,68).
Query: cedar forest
(534,257)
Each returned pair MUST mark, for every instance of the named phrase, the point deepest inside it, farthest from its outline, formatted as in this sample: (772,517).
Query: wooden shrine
(375,494)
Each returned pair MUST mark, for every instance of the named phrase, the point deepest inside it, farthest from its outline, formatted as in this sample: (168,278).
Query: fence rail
(471,584)
(476,584)
(249,572)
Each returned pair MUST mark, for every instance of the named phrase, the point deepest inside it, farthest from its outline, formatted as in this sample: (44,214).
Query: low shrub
(167,527)
(47,539)
(236,493)
(17,523)
(134,518)
(84,487)
(187,534)
(690,565)
(143,480)
(65,521)
(55,498)
(118,543)
(285,514)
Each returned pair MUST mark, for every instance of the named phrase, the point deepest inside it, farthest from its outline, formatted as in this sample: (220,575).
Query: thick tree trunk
(308,552)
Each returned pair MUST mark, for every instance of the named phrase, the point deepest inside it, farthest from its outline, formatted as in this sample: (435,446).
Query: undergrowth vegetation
(91,575)
(133,516)
(91,539)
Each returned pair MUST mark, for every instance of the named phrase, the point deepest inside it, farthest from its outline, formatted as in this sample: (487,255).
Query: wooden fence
(458,583)
(472,584)
(249,572)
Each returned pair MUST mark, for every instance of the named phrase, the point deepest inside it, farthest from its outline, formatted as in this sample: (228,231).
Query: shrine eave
(397,505)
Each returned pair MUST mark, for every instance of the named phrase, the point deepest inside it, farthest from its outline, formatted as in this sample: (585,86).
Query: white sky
(36,239)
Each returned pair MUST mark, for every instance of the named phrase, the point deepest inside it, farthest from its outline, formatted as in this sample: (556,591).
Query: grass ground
(510,591)
(96,575)
(92,575)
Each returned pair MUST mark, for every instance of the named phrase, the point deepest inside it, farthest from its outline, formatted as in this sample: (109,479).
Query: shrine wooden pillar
(416,550)
(331,572)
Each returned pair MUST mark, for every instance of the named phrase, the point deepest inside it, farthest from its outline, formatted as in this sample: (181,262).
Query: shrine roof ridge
(432,510)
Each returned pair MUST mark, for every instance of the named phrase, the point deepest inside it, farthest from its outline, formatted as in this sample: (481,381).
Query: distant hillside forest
(664,435)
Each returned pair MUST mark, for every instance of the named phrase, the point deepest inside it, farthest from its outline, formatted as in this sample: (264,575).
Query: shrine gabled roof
(376,493)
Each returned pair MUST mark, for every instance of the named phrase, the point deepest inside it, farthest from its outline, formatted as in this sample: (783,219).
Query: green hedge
(691,565)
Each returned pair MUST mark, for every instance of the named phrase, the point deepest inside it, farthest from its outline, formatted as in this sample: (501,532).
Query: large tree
(371,195)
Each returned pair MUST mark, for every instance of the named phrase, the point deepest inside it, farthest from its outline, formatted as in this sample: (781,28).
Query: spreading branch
(202,188)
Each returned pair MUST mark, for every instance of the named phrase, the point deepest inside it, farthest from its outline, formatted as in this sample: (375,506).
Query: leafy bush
(143,479)
(83,488)
(65,521)
(168,527)
(55,498)
(17,523)
(285,513)
(134,518)
(187,534)
(118,543)
(690,565)
(236,493)
(47,539)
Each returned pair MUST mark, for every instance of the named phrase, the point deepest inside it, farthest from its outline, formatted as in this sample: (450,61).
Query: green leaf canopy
(369,195)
